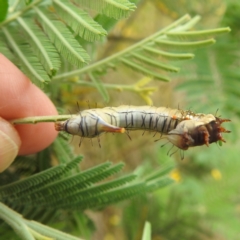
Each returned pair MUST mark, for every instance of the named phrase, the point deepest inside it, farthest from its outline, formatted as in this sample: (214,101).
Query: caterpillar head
(191,133)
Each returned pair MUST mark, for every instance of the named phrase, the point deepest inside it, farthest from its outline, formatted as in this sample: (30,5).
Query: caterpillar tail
(90,129)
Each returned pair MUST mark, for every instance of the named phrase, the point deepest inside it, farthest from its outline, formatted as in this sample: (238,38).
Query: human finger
(9,144)
(19,98)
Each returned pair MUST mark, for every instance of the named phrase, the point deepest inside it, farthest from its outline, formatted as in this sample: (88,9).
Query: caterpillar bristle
(128,135)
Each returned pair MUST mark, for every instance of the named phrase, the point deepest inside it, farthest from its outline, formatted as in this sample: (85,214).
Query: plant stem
(117,87)
(38,119)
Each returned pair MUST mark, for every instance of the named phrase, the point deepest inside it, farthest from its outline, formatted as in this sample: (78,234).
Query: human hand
(20,98)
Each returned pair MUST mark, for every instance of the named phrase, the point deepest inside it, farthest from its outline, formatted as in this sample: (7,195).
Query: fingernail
(9,144)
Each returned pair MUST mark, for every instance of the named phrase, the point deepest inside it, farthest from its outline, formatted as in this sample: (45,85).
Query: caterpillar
(183,129)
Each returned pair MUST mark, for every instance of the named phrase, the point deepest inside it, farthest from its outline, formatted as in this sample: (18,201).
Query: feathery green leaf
(168,55)
(62,38)
(145,71)
(41,46)
(63,150)
(173,45)
(79,21)
(30,184)
(111,8)
(28,61)
(74,163)
(159,173)
(154,63)
(143,56)
(201,34)
(68,185)
(113,196)
(85,195)
(158,183)
(6,51)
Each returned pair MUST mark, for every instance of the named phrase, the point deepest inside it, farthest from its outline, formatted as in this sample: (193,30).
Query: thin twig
(38,119)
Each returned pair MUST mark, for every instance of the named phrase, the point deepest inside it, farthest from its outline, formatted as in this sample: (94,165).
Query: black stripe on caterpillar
(183,129)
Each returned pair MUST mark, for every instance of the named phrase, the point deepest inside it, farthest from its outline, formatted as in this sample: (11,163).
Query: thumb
(9,144)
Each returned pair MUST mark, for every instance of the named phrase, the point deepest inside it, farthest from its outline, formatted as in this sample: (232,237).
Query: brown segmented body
(183,128)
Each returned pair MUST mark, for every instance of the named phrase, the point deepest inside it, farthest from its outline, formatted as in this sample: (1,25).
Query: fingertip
(9,144)
(20,98)
(36,137)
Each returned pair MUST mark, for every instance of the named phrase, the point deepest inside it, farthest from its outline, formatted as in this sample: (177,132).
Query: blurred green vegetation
(204,203)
